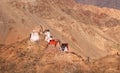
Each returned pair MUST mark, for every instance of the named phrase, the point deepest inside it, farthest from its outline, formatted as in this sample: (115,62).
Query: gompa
(34,36)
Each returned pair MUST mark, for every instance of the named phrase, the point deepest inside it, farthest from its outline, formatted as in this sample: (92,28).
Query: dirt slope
(25,56)
(90,31)
(14,23)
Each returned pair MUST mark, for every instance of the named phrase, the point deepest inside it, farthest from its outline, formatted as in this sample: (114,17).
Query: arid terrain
(93,35)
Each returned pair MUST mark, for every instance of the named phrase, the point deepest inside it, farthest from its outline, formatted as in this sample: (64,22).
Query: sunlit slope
(89,33)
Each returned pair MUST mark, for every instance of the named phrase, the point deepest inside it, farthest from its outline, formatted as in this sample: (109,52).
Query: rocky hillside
(91,32)
(28,57)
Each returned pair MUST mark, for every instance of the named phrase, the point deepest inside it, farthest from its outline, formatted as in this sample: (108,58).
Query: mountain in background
(102,3)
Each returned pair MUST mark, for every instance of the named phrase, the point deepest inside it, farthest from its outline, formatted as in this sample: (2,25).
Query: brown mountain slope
(92,34)
(25,56)
(14,23)
(89,33)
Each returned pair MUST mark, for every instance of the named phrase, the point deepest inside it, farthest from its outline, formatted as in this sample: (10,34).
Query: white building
(34,36)
(48,36)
